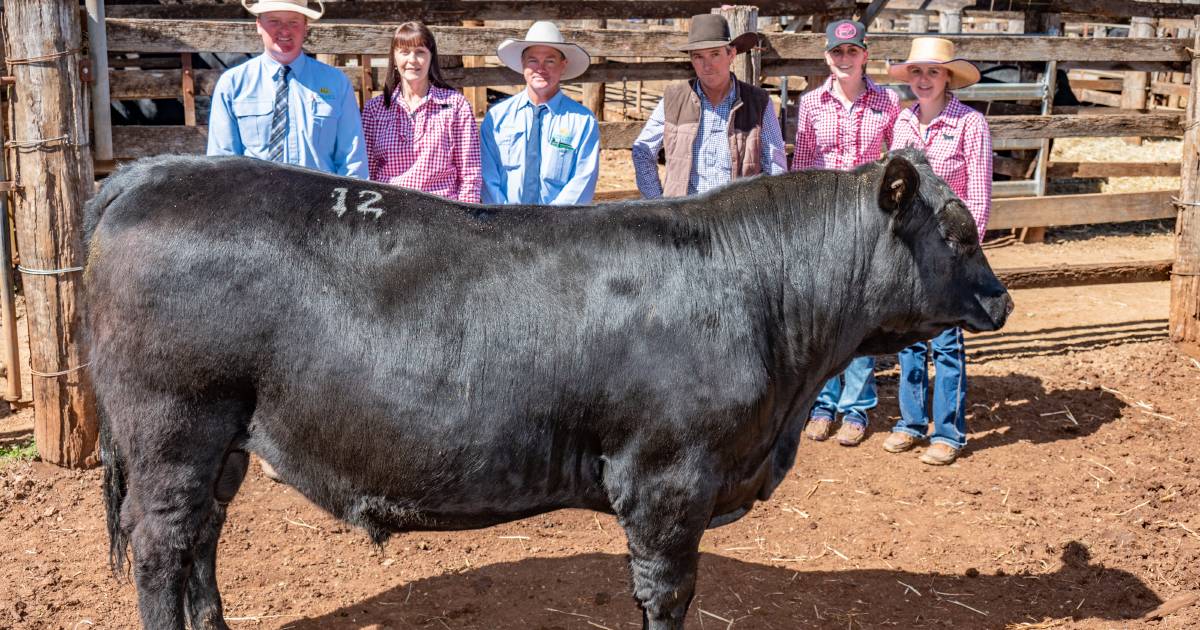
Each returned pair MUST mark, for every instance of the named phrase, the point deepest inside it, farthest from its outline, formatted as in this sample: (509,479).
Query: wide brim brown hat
(712,31)
(936,51)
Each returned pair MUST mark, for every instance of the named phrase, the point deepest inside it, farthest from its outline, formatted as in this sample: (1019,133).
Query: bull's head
(934,254)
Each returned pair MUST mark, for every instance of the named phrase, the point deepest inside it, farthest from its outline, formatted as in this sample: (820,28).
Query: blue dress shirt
(711,163)
(324,128)
(569,150)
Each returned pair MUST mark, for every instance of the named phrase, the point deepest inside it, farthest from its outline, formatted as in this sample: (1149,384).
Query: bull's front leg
(664,512)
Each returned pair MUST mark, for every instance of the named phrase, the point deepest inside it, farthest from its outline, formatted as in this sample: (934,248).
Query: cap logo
(845,31)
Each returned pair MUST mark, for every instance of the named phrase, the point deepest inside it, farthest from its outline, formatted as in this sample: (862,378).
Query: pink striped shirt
(958,145)
(434,149)
(830,135)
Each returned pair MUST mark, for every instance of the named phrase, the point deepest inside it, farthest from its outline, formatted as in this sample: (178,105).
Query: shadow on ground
(592,591)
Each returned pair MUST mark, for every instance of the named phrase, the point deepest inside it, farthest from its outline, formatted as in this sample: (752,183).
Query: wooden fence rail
(175,36)
(456,10)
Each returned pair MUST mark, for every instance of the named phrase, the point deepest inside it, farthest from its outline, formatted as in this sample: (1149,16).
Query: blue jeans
(851,399)
(949,389)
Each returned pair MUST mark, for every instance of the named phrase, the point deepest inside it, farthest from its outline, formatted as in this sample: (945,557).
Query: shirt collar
(868,96)
(272,66)
(555,103)
(435,95)
(731,97)
(952,114)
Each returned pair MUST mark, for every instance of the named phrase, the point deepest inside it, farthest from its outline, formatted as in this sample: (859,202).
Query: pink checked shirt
(830,135)
(434,149)
(958,145)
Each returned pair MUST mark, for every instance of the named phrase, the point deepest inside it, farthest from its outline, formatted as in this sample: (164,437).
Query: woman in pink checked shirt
(958,144)
(841,125)
(420,133)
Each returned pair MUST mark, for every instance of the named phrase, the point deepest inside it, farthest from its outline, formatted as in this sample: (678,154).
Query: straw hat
(710,30)
(936,51)
(295,6)
(544,34)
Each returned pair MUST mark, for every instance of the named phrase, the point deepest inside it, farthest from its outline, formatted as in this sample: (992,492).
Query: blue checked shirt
(569,151)
(324,130)
(711,163)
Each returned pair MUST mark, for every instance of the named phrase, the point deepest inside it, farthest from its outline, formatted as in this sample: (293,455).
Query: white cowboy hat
(295,6)
(936,51)
(544,34)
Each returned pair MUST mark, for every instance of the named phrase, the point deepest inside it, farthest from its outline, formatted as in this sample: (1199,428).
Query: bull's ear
(899,185)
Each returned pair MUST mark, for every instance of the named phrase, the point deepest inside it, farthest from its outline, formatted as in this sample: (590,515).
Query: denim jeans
(854,397)
(949,389)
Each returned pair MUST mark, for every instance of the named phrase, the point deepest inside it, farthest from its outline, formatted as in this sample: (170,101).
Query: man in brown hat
(714,128)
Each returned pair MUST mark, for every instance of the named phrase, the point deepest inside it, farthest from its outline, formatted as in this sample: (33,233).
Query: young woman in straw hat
(421,133)
(958,144)
(841,125)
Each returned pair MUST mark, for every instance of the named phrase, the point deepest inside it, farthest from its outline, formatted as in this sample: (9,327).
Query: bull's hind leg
(178,452)
(664,514)
(203,600)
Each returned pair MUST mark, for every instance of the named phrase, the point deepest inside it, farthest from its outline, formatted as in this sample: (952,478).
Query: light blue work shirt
(324,129)
(569,152)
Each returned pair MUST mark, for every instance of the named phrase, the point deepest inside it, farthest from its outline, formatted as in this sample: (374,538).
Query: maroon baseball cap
(845,32)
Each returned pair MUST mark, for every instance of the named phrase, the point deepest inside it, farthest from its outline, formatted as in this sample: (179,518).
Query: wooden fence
(783,54)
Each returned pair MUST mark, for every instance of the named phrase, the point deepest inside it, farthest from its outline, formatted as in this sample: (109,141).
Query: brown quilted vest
(681,111)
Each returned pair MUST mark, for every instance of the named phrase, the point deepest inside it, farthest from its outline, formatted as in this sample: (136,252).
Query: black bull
(411,363)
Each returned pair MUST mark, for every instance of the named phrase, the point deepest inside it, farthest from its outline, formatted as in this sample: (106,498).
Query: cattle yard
(1074,506)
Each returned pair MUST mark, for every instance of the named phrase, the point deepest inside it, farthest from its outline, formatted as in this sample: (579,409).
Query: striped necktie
(279,120)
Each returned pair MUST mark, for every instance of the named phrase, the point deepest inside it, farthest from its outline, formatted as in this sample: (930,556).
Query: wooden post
(188,87)
(102,148)
(8,309)
(918,23)
(593,93)
(54,170)
(1184,321)
(813,81)
(1048,24)
(747,67)
(1133,91)
(950,21)
(476,96)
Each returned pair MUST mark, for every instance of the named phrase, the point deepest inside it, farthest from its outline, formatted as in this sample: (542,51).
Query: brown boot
(851,433)
(939,454)
(818,428)
(898,442)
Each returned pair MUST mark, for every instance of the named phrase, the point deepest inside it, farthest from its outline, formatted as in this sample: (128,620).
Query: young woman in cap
(958,144)
(842,124)
(420,133)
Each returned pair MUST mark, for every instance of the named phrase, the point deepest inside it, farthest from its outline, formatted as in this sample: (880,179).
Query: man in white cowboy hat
(540,147)
(714,128)
(284,106)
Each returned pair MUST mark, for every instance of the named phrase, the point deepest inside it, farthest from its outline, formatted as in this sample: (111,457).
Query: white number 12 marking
(366,203)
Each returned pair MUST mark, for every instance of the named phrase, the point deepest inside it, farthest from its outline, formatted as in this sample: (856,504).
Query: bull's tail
(114,496)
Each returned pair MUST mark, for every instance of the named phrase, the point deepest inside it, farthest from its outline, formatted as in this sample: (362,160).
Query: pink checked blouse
(958,145)
(434,149)
(830,135)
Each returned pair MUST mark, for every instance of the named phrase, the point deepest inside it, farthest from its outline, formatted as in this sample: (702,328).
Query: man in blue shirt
(540,147)
(713,128)
(284,106)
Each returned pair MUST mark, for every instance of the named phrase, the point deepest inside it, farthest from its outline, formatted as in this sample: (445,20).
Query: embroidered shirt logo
(325,93)
(561,139)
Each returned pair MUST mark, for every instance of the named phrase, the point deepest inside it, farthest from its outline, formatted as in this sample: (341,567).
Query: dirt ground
(1074,506)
